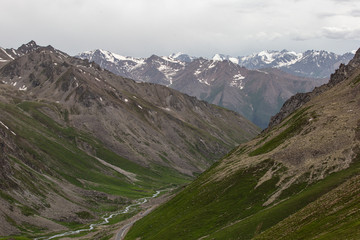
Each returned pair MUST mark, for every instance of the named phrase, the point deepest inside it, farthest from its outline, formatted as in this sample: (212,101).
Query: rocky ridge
(256,94)
(300,99)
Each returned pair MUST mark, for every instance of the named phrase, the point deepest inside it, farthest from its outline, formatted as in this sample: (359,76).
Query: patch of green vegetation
(201,208)
(84,215)
(7,197)
(70,225)
(122,217)
(262,220)
(15,238)
(30,228)
(53,149)
(296,122)
(232,208)
(10,220)
(107,237)
(150,178)
(27,211)
(356,80)
(163,158)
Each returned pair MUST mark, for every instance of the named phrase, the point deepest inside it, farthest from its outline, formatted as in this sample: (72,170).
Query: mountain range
(298,179)
(311,63)
(77,141)
(256,94)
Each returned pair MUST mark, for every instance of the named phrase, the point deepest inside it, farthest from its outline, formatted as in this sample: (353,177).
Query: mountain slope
(77,141)
(257,95)
(281,175)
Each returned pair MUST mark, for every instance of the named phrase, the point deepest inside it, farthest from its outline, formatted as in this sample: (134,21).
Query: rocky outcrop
(300,99)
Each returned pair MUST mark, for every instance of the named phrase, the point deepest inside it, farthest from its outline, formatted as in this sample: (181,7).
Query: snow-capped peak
(221,57)
(176,55)
(267,56)
(218,57)
(182,57)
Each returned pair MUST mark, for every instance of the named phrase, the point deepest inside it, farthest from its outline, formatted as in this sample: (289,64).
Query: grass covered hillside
(297,180)
(78,142)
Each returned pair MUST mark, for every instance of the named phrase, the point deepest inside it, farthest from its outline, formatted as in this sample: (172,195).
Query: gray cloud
(355,13)
(341,33)
(200,27)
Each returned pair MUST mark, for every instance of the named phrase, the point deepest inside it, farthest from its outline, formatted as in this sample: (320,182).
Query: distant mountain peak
(28,47)
(183,57)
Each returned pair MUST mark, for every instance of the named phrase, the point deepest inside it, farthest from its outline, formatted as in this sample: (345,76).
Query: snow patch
(262,71)
(101,99)
(176,55)
(197,72)
(140,106)
(237,81)
(97,79)
(4,125)
(212,65)
(234,60)
(217,57)
(204,81)
(266,57)
(173,60)
(7,128)
(298,57)
(7,54)
(167,109)
(126,100)
(23,88)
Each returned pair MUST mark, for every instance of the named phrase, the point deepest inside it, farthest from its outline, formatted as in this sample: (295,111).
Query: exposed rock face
(300,99)
(255,94)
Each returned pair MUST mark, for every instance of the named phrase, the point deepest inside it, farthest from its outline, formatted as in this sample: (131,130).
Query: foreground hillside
(77,141)
(297,180)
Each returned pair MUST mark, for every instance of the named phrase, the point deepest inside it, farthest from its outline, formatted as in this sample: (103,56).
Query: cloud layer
(197,27)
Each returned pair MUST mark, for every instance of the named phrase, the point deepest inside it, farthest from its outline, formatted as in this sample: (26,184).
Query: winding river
(105,218)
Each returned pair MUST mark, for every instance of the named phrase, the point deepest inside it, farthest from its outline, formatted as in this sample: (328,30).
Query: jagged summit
(28,47)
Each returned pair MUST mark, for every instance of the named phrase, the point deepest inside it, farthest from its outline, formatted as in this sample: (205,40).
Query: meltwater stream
(106,218)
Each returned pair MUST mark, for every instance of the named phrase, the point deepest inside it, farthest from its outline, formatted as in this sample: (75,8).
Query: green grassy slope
(59,148)
(284,172)
(46,158)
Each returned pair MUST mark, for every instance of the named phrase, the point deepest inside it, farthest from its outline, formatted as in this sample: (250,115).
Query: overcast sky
(197,27)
